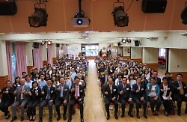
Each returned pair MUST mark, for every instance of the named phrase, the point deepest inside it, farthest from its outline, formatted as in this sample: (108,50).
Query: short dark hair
(165,78)
(180,75)
(167,73)
(76,78)
(8,81)
(23,73)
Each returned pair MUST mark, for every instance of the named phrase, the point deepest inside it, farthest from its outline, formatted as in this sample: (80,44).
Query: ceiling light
(49,42)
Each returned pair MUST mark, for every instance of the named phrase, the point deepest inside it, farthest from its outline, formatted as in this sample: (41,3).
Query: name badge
(114,89)
(51,91)
(127,88)
(142,89)
(65,89)
(81,91)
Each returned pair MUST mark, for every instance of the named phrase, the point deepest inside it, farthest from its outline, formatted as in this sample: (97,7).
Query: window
(162,52)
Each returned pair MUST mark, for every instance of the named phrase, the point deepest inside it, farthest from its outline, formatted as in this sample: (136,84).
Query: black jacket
(139,94)
(81,92)
(65,92)
(35,97)
(127,92)
(169,89)
(109,96)
(176,85)
(7,97)
(52,92)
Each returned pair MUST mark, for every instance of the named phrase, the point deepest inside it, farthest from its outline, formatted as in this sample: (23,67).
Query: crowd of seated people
(60,84)
(125,82)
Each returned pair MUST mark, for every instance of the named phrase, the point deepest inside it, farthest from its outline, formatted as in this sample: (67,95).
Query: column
(150,57)
(44,53)
(136,54)
(3,64)
(177,63)
(126,52)
(54,52)
(29,56)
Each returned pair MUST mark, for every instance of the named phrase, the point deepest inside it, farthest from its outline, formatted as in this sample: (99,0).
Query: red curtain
(21,64)
(9,60)
(49,51)
(37,55)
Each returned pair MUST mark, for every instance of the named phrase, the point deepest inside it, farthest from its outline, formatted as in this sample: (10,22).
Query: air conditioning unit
(80,22)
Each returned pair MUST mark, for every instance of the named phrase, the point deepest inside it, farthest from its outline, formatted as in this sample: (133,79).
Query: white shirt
(165,93)
(153,91)
(29,83)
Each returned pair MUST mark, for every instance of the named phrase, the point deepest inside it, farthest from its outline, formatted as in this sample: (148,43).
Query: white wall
(54,50)
(150,55)
(44,52)
(3,64)
(177,60)
(136,52)
(73,49)
(29,47)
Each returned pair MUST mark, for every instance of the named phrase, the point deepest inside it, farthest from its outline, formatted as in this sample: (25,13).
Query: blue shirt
(68,83)
(62,90)
(29,84)
(42,84)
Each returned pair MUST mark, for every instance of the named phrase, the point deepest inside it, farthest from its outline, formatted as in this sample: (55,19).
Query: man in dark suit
(7,98)
(48,95)
(139,97)
(22,99)
(125,95)
(111,94)
(180,93)
(158,80)
(62,95)
(77,96)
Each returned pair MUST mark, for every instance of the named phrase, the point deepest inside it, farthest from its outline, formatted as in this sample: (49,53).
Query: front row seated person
(153,96)
(111,93)
(48,95)
(125,95)
(77,96)
(180,93)
(165,94)
(139,97)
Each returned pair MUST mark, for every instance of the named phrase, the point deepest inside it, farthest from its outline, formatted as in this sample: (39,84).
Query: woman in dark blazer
(35,96)
(165,94)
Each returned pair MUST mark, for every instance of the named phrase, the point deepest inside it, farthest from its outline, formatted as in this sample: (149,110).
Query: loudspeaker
(36,45)
(8,7)
(119,44)
(137,43)
(154,6)
(57,45)
(184,16)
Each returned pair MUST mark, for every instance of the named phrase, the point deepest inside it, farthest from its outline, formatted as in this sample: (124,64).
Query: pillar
(177,63)
(3,64)
(29,56)
(54,52)
(150,57)
(136,54)
(44,53)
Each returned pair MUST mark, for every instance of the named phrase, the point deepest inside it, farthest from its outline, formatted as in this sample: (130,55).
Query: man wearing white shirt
(28,81)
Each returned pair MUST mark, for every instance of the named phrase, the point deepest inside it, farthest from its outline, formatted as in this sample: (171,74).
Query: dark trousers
(71,105)
(138,104)
(107,104)
(32,107)
(42,105)
(154,103)
(179,99)
(57,105)
(22,103)
(123,104)
(167,105)
(4,106)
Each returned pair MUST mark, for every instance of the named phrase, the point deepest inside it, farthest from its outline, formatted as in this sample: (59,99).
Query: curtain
(49,52)
(21,65)
(38,59)
(57,52)
(9,60)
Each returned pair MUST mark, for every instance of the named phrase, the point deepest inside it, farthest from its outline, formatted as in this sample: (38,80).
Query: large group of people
(125,82)
(60,84)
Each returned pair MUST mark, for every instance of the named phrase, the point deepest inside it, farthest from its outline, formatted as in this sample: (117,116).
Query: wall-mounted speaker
(8,7)
(57,45)
(154,6)
(119,44)
(137,43)
(36,45)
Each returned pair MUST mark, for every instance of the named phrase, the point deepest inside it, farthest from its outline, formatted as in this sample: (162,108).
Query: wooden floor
(94,112)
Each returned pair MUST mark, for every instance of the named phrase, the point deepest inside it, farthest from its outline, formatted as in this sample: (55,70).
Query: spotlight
(49,42)
(79,21)
(121,19)
(184,16)
(38,18)
(123,40)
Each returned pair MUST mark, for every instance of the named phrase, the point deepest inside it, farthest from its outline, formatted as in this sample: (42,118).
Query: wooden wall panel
(3,79)
(126,57)
(91,57)
(29,69)
(54,60)
(45,62)
(153,66)
(137,60)
(174,75)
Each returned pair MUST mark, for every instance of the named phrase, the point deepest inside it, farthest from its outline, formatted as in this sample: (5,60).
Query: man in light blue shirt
(73,73)
(42,82)
(68,81)
(28,81)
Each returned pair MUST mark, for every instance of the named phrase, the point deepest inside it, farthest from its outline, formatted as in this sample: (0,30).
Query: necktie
(111,89)
(62,90)
(20,95)
(181,91)
(48,93)
(76,92)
